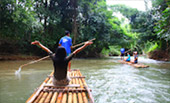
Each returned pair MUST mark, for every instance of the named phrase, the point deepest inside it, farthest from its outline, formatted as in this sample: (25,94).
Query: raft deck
(134,65)
(76,92)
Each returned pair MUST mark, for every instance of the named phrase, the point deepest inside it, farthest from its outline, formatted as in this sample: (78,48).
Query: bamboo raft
(76,92)
(134,65)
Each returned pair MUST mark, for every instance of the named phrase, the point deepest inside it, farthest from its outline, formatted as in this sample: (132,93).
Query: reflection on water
(110,81)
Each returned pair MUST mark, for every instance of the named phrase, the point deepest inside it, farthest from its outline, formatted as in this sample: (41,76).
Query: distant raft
(134,65)
(76,92)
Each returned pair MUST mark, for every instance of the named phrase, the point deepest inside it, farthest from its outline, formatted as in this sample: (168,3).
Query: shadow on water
(110,81)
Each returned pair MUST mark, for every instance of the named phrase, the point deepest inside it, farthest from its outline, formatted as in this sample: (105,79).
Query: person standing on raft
(122,51)
(66,42)
(60,62)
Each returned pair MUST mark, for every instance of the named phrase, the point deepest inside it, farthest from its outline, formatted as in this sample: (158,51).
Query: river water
(110,81)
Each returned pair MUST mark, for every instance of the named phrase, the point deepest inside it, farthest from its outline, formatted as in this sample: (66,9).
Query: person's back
(128,59)
(60,62)
(66,42)
(122,50)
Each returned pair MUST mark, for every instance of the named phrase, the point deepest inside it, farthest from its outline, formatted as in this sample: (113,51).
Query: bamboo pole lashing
(71,96)
(67,90)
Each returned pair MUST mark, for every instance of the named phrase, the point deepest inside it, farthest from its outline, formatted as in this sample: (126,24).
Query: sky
(139,4)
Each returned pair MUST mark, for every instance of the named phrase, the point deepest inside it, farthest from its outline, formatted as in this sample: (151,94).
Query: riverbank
(159,55)
(17,57)
(156,55)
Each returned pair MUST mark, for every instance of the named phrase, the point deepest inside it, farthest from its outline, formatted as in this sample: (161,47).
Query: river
(110,81)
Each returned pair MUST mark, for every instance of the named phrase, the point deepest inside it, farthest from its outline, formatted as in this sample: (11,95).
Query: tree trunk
(74,29)
(167,48)
(74,26)
(45,17)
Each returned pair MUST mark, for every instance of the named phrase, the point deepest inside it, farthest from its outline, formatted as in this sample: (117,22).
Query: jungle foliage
(23,21)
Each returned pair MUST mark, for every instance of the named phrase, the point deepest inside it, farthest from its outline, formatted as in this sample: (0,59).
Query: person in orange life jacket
(66,42)
(60,62)
(135,57)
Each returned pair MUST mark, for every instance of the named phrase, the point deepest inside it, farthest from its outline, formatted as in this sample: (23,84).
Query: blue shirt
(122,50)
(66,42)
(128,59)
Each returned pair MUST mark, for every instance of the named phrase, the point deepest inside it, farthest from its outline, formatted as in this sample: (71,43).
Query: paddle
(19,70)
(82,43)
(127,51)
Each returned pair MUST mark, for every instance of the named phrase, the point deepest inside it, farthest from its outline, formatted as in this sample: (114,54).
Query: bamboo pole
(83,93)
(18,71)
(46,94)
(82,43)
(37,93)
(53,100)
(51,95)
(64,99)
(70,93)
(65,95)
(134,65)
(80,99)
(59,98)
(85,100)
(43,97)
(48,99)
(86,87)
(74,94)
(39,97)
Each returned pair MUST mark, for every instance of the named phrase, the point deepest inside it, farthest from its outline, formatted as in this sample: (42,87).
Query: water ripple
(125,84)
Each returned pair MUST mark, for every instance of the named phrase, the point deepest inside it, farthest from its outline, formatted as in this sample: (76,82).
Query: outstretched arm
(81,48)
(42,46)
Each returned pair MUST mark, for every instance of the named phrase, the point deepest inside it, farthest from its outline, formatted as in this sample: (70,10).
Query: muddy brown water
(110,81)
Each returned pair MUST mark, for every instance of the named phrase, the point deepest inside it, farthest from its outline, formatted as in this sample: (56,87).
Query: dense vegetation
(23,21)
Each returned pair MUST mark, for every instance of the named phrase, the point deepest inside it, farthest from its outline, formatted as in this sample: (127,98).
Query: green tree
(162,12)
